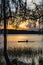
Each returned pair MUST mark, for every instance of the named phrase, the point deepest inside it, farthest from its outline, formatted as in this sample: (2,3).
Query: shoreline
(21,32)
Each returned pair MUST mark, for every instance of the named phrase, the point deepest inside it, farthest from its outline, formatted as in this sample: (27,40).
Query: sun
(23,25)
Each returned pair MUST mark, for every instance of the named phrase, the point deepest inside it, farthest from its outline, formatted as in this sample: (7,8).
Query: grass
(25,51)
(28,52)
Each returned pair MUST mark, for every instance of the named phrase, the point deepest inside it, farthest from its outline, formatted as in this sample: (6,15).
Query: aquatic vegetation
(22,53)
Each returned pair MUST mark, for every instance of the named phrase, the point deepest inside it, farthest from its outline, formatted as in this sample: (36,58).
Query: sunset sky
(23,25)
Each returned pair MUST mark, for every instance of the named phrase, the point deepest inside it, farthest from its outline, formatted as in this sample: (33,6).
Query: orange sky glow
(24,25)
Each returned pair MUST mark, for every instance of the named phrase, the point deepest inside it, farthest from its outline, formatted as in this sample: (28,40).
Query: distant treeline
(21,32)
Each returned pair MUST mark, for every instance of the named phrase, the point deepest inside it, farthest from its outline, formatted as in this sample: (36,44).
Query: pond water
(34,41)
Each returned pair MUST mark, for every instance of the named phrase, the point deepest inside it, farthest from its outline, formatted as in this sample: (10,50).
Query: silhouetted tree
(8,62)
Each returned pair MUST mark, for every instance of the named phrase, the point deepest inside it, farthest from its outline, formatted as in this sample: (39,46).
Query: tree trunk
(5,37)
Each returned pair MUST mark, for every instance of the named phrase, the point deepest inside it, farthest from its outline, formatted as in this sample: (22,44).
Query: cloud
(38,1)
(31,5)
(0,1)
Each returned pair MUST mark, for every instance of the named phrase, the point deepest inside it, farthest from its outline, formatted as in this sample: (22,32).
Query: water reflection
(35,41)
(27,53)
